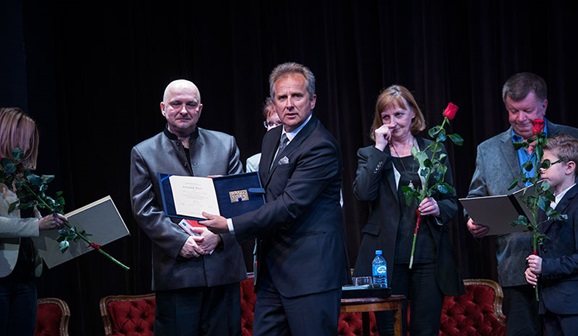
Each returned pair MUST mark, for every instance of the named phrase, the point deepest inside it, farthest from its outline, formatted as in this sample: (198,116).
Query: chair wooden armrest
(125,314)
(52,317)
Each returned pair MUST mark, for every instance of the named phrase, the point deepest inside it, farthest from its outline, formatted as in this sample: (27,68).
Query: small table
(372,304)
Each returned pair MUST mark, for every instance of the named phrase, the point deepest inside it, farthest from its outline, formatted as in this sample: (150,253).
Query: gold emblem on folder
(238,196)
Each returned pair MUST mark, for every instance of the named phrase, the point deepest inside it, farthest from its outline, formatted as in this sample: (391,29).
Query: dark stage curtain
(93,74)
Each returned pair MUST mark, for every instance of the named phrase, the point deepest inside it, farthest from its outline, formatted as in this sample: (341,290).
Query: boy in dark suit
(555,268)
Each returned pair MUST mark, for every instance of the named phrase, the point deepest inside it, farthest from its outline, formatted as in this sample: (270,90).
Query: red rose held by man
(538,126)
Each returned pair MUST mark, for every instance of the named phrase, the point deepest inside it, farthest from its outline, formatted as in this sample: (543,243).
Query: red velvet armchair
(52,317)
(478,312)
(128,314)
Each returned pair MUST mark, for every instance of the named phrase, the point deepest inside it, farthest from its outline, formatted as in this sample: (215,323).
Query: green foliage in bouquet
(431,167)
(31,191)
(538,195)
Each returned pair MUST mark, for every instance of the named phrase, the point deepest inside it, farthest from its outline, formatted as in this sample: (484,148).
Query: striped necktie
(282,144)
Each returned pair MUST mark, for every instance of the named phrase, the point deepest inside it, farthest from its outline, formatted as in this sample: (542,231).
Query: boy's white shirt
(560,196)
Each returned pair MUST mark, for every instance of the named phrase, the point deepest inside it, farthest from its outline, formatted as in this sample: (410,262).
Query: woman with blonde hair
(383,168)
(20,263)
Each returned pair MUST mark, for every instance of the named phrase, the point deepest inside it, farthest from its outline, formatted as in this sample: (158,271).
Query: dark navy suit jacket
(300,230)
(558,284)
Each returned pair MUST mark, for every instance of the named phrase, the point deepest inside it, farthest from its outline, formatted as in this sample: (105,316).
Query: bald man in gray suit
(197,291)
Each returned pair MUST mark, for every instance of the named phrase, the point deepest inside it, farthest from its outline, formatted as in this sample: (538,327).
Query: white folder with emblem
(231,195)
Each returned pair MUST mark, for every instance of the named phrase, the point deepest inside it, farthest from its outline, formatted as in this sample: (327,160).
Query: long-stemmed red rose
(538,196)
(450,111)
(431,168)
(31,192)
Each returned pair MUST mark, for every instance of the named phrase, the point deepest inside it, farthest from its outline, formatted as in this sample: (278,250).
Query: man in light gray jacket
(498,164)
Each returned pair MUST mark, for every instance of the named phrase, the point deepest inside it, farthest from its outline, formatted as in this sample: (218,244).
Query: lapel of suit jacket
(391,177)
(293,144)
(562,206)
(552,129)
(510,157)
(269,147)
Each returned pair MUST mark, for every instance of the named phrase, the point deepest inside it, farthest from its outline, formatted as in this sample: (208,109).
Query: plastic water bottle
(379,270)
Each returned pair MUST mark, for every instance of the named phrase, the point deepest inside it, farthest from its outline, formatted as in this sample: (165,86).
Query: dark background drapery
(92,75)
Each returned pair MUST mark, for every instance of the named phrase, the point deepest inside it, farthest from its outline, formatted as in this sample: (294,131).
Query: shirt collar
(560,195)
(292,134)
(193,135)
(518,138)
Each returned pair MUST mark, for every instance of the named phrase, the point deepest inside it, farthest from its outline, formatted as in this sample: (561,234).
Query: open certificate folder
(228,196)
(102,223)
(499,211)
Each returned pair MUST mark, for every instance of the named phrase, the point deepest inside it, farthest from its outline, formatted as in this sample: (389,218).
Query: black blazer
(300,230)
(375,183)
(558,284)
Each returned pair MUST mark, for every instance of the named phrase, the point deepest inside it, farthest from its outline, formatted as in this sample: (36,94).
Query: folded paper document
(228,196)
(100,220)
(498,212)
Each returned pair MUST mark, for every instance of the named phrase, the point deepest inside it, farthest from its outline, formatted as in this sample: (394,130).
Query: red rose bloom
(538,126)
(450,111)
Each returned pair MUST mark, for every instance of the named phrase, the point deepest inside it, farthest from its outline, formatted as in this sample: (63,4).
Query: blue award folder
(228,196)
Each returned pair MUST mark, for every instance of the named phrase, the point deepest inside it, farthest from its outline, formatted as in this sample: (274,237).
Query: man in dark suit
(498,164)
(197,291)
(302,258)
